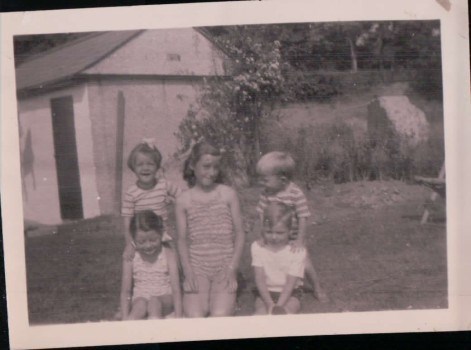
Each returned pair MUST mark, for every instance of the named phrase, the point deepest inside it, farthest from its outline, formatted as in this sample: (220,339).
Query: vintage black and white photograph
(191,172)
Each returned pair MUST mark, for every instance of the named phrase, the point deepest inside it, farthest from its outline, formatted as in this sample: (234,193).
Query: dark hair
(144,148)
(199,150)
(276,212)
(146,220)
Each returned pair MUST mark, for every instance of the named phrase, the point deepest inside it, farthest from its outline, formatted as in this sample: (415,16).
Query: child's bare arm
(127,234)
(190,282)
(300,242)
(175,281)
(260,282)
(126,289)
(238,230)
(129,250)
(287,290)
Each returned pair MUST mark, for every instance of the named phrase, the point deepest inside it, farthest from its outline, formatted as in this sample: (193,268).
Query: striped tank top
(151,279)
(210,235)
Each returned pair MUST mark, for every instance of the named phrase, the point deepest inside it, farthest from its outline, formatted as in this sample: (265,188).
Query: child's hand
(296,245)
(129,252)
(228,276)
(190,284)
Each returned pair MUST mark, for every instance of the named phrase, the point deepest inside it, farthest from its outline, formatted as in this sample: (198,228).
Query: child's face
(271,183)
(148,242)
(276,236)
(207,169)
(145,168)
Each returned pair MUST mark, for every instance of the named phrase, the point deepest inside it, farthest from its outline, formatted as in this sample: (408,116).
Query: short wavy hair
(144,148)
(276,163)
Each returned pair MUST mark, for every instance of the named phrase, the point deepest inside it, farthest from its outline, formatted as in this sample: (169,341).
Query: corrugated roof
(70,59)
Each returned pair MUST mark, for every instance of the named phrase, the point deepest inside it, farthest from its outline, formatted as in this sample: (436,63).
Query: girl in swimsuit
(210,236)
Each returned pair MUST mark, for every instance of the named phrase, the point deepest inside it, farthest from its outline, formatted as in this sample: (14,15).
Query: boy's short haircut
(278,163)
(144,148)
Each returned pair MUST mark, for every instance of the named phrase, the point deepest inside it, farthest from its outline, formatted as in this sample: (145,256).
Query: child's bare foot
(320,295)
(278,310)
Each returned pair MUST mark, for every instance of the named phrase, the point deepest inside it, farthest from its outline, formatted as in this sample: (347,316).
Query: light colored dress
(150,279)
(210,235)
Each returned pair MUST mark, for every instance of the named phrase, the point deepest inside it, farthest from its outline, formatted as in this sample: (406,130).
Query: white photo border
(457,111)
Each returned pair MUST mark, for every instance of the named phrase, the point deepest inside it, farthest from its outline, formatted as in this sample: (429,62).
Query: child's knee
(139,310)
(222,304)
(293,306)
(195,307)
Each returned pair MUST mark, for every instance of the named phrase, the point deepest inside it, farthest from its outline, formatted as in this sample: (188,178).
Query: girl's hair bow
(149,142)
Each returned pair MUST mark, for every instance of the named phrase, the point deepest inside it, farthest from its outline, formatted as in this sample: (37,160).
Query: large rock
(396,116)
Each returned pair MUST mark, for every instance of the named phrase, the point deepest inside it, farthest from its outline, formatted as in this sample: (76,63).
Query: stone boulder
(396,116)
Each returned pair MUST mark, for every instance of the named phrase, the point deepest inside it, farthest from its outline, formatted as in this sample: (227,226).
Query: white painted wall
(41,197)
(154,52)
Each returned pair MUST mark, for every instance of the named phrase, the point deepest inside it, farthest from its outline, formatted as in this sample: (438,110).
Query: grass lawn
(365,239)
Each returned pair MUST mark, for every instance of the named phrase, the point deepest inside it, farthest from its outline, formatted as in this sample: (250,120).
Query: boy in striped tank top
(275,171)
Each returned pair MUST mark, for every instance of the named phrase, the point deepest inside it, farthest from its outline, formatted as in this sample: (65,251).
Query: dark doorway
(65,148)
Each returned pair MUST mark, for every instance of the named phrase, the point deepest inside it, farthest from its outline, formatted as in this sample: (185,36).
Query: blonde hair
(277,163)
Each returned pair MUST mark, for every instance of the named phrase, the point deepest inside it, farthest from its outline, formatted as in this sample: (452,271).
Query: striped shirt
(155,199)
(291,196)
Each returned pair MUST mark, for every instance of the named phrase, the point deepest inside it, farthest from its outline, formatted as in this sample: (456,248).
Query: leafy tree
(232,109)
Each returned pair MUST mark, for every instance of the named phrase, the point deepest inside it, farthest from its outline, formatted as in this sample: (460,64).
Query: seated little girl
(150,283)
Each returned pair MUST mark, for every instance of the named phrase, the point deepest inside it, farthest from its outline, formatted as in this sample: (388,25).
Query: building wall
(153,109)
(40,187)
(181,51)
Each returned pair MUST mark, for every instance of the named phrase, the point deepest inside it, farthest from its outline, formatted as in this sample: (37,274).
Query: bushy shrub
(318,87)
(428,83)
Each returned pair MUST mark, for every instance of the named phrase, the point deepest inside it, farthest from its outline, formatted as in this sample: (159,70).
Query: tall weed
(332,151)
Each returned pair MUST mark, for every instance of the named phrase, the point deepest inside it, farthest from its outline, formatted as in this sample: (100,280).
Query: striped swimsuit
(211,236)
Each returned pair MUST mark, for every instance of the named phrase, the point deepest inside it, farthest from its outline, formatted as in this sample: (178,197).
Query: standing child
(150,284)
(275,171)
(210,236)
(278,269)
(149,192)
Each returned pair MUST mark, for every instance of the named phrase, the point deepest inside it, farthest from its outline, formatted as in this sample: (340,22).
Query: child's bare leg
(197,304)
(154,308)
(293,305)
(222,301)
(167,304)
(314,280)
(138,310)
(260,307)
